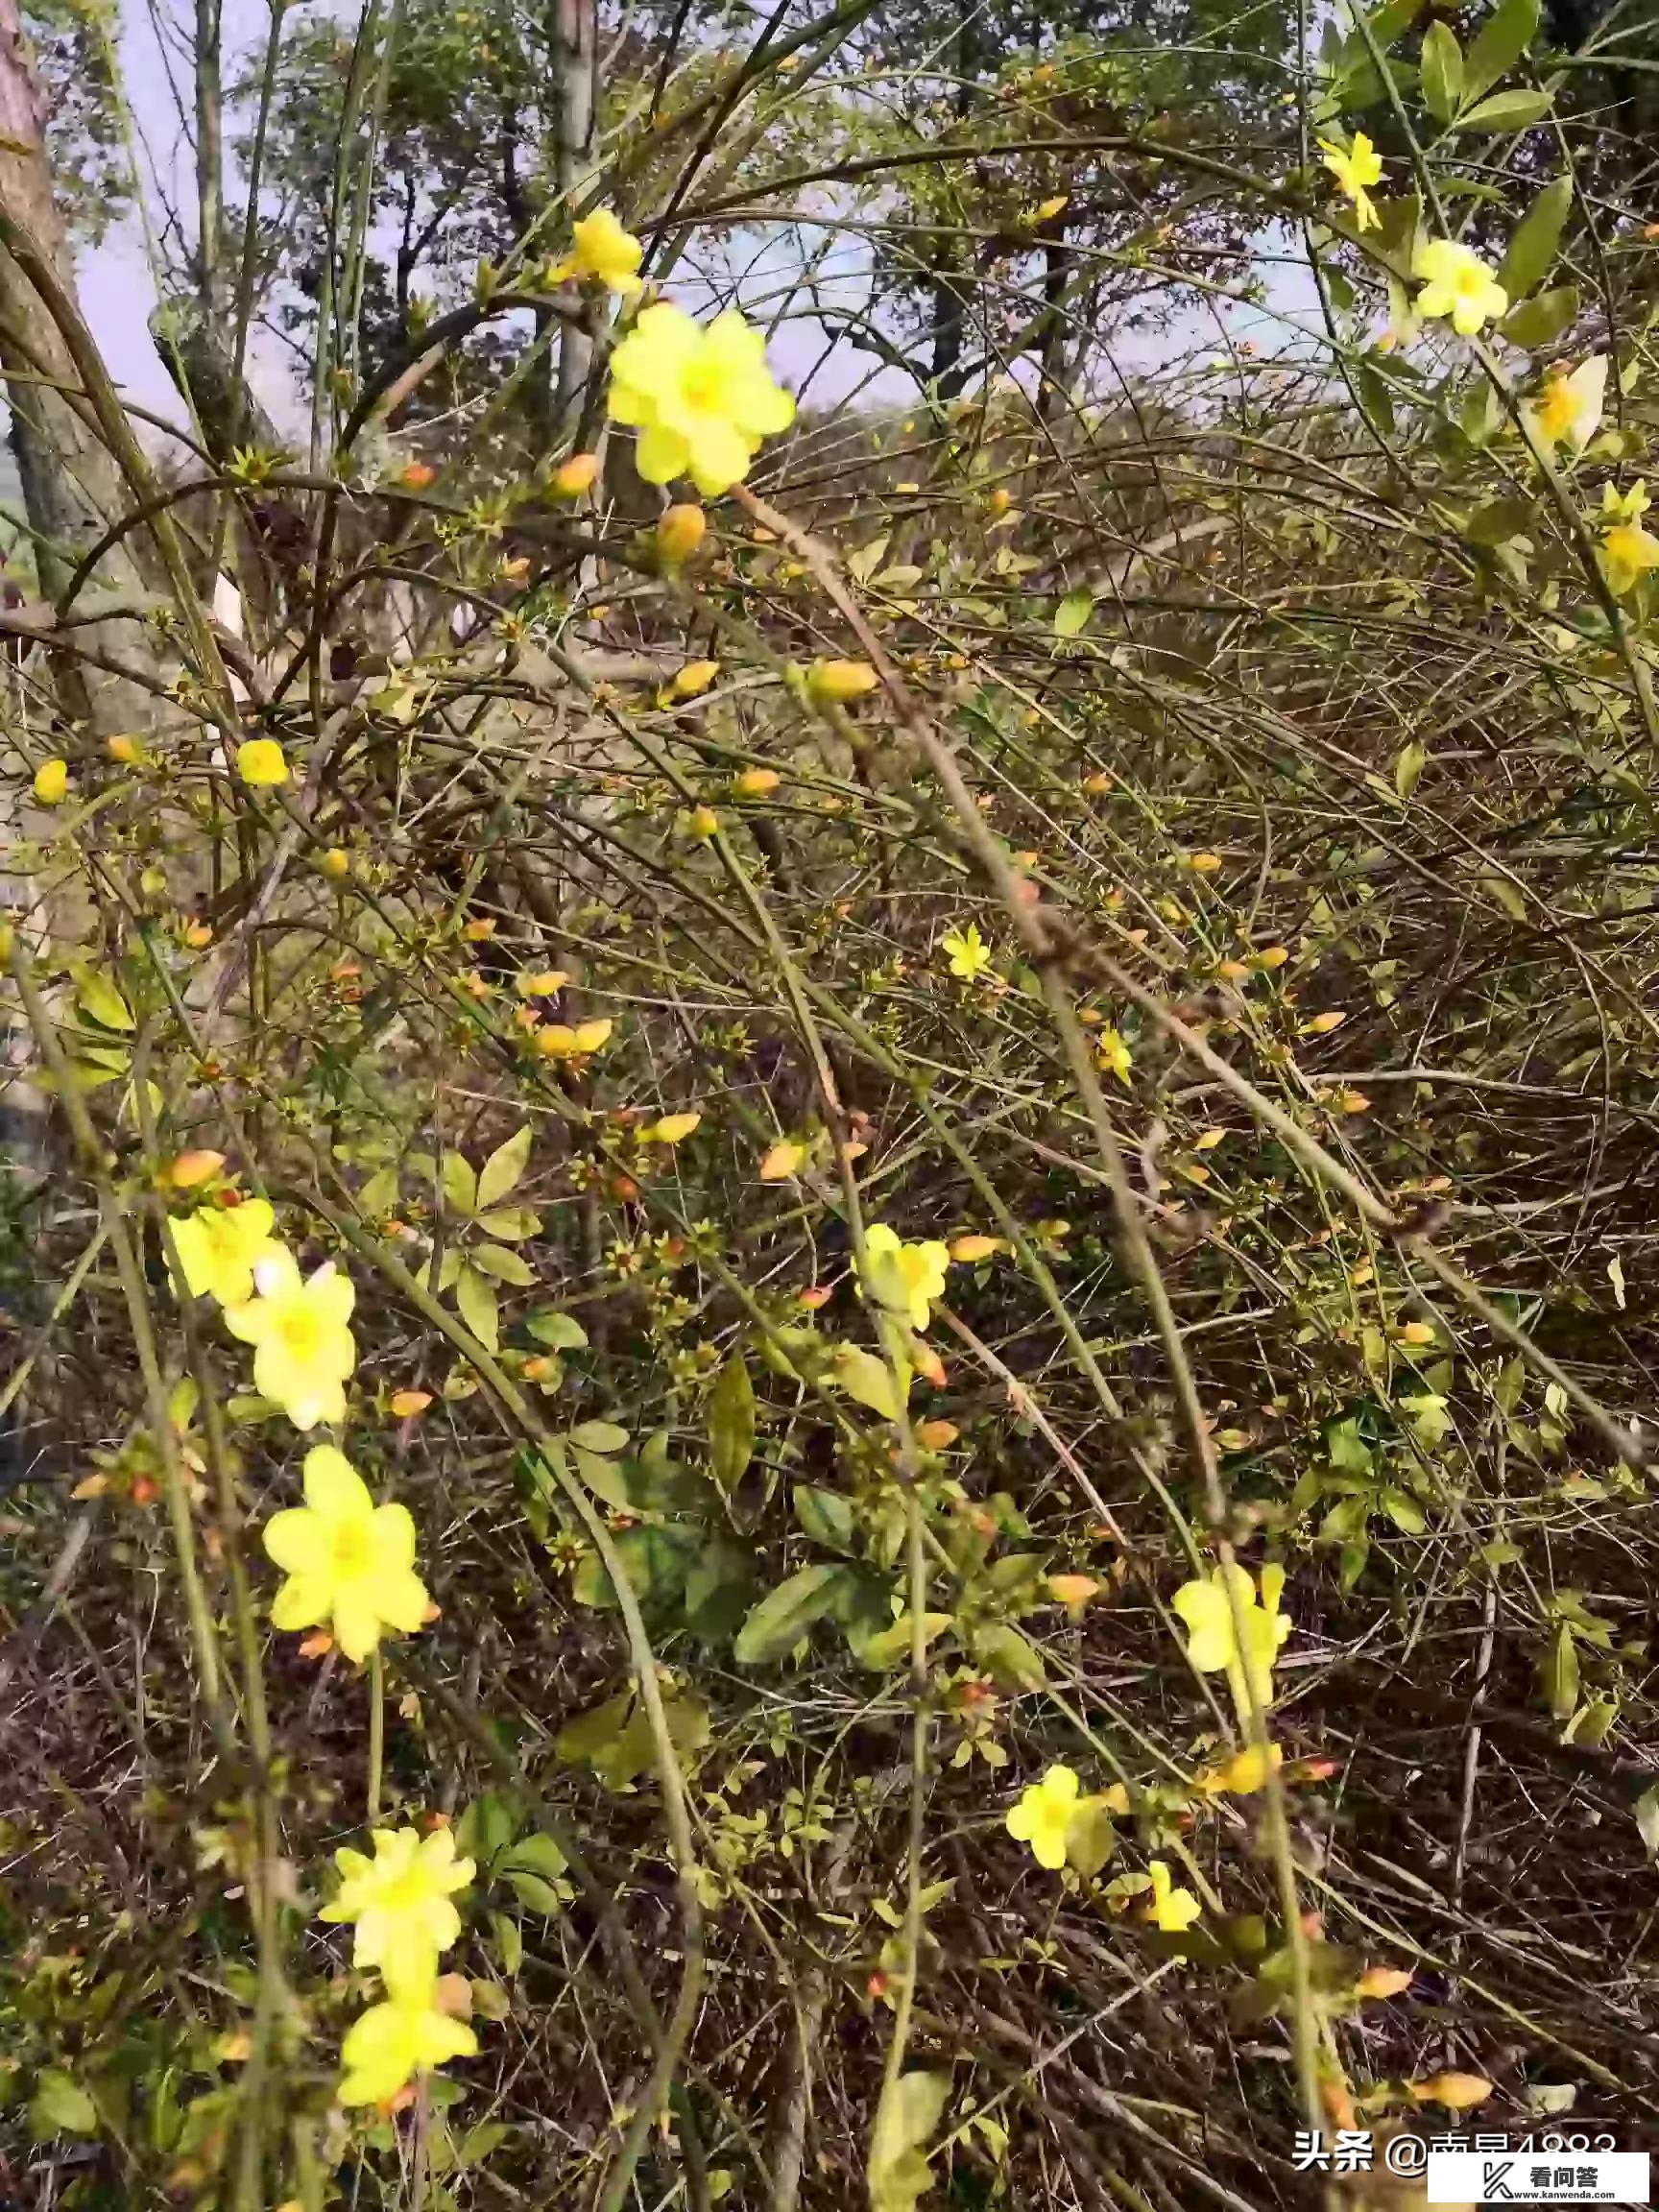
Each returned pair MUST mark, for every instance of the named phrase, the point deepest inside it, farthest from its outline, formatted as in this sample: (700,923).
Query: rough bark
(573,39)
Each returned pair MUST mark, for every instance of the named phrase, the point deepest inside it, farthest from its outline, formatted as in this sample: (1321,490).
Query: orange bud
(1384,1982)
(1203,863)
(1000,499)
(837,683)
(1072,1590)
(1416,1333)
(695,677)
(704,821)
(193,1167)
(928,1364)
(572,477)
(480,931)
(937,1436)
(452,1994)
(966,1250)
(317,1645)
(122,747)
(335,862)
(779,1160)
(1274,956)
(406,1404)
(1458,2092)
(1322,1024)
(815,1295)
(1100,784)
(416,475)
(679,532)
(757,782)
(198,936)
(145,1490)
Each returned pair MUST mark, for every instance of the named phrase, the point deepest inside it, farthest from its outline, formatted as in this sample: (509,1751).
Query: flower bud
(261,761)
(757,782)
(122,747)
(679,532)
(336,863)
(193,1167)
(835,682)
(696,676)
(51,782)
(572,477)
(965,1250)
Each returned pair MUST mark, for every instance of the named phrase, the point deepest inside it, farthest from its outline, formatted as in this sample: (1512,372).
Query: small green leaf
(869,1379)
(785,1615)
(1506,111)
(1409,766)
(506,1943)
(1540,320)
(731,1424)
(907,2118)
(459,1182)
(582,1741)
(535,1855)
(1498,44)
(600,1436)
(479,1307)
(1528,255)
(1648,1820)
(485,1829)
(60,2106)
(536,1895)
(101,1001)
(513,1223)
(604,1478)
(504,1265)
(1558,1674)
(1442,72)
(825,1516)
(501,1172)
(557,1331)
(1073,613)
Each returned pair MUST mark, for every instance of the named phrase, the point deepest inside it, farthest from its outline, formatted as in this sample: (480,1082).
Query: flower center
(352,1548)
(299,1333)
(702,389)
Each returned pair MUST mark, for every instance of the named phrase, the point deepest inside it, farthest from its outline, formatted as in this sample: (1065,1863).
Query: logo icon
(1494,2188)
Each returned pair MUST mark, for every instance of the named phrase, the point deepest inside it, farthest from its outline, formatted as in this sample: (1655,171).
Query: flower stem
(376,1730)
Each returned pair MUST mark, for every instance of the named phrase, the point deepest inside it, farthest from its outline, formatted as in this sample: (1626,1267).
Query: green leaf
(909,2112)
(506,1943)
(1540,320)
(536,1895)
(1012,1662)
(1648,1820)
(600,1436)
(1506,111)
(557,1331)
(582,1741)
(60,2106)
(480,1309)
(1393,19)
(1558,1674)
(487,2135)
(1409,766)
(869,1379)
(825,1516)
(504,1265)
(1407,1515)
(501,1172)
(460,1184)
(783,1616)
(890,1647)
(512,1222)
(1442,72)
(535,1855)
(731,1424)
(1532,248)
(1073,613)
(485,1829)
(1498,44)
(606,1479)
(1506,894)
(101,1001)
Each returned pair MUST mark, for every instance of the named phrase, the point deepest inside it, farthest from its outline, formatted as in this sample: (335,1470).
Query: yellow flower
(303,1347)
(1213,1641)
(261,761)
(392,2042)
(1360,165)
(557,1041)
(670,1129)
(1112,1055)
(1457,282)
(1170,1908)
(969,953)
(701,400)
(1627,549)
(605,252)
(400,1900)
(1245,1773)
(219,1246)
(1569,408)
(348,1561)
(51,782)
(905,1278)
(695,677)
(1043,1815)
